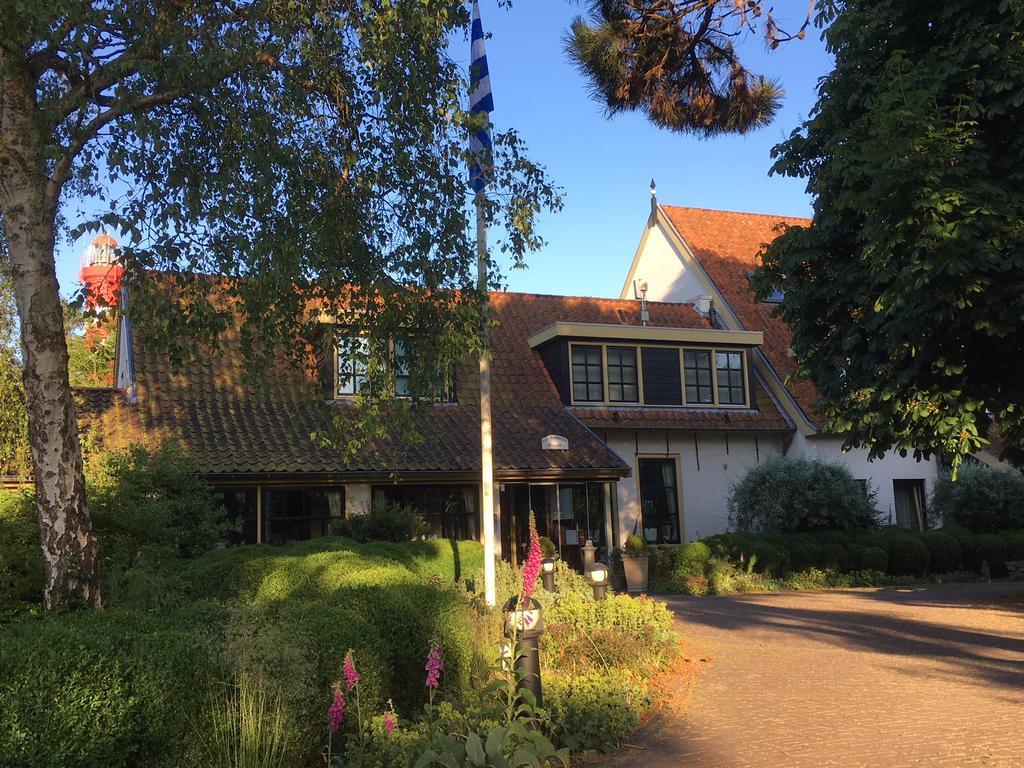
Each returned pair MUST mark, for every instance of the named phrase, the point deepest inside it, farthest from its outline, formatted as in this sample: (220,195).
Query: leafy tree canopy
(675,60)
(906,295)
(316,149)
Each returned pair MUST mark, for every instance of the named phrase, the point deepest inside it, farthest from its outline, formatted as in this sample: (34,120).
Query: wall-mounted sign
(554,443)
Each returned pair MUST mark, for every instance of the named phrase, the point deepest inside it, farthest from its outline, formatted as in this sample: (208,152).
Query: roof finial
(654,200)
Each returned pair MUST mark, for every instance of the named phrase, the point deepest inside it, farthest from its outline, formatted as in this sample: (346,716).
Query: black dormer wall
(555,355)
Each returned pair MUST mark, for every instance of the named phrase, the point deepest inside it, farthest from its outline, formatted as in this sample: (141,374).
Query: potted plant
(634,562)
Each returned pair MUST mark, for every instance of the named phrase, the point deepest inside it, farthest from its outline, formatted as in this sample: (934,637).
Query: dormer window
(587,379)
(623,383)
(352,354)
(699,387)
(729,375)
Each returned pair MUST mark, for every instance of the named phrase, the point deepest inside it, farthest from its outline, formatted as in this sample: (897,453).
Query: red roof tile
(728,245)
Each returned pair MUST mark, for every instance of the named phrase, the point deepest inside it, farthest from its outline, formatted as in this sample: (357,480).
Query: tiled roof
(728,245)
(233,428)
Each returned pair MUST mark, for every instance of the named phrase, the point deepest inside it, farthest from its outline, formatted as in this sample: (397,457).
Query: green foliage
(547,547)
(785,495)
(1014,545)
(981,499)
(152,502)
(245,728)
(14,450)
(677,66)
(386,521)
(107,689)
(945,554)
(21,560)
(281,616)
(596,710)
(908,556)
(904,295)
(990,550)
(635,546)
(691,558)
(872,559)
(513,745)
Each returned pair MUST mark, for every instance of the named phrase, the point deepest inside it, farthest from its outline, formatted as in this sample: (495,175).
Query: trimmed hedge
(946,556)
(124,687)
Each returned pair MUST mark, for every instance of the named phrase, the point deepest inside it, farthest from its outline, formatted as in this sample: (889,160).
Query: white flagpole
(486,446)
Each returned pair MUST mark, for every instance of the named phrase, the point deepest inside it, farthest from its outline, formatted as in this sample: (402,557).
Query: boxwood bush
(990,549)
(785,495)
(982,499)
(124,686)
(945,554)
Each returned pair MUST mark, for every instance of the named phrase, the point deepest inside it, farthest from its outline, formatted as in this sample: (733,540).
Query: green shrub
(152,504)
(547,547)
(968,544)
(981,499)
(386,521)
(107,688)
(944,552)
(595,711)
(21,559)
(872,559)
(661,559)
(765,557)
(784,494)
(721,575)
(805,552)
(991,549)
(1014,545)
(635,546)
(691,559)
(908,556)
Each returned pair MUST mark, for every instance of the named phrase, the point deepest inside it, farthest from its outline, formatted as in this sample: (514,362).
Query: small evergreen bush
(597,710)
(691,559)
(784,495)
(1014,545)
(386,521)
(944,551)
(872,559)
(982,499)
(805,552)
(21,559)
(908,556)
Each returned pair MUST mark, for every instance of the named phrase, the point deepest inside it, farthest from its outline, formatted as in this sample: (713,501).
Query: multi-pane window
(401,370)
(587,377)
(352,354)
(622,375)
(659,500)
(699,388)
(729,373)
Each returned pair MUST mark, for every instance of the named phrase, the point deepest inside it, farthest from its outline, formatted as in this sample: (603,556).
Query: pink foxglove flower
(531,570)
(435,666)
(336,712)
(349,670)
(389,718)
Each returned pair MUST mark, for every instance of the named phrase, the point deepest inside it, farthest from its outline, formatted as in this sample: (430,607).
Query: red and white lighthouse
(101,273)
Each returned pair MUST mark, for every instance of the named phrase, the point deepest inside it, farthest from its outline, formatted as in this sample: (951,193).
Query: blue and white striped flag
(480,101)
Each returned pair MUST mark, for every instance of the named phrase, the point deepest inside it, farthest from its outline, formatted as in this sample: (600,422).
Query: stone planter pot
(636,573)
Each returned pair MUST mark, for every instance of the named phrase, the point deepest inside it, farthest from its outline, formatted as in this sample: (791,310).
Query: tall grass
(246,728)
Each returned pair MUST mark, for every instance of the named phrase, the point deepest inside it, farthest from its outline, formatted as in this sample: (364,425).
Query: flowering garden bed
(242,647)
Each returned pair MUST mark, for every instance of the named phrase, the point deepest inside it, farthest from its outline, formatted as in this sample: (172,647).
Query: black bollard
(547,573)
(525,622)
(597,575)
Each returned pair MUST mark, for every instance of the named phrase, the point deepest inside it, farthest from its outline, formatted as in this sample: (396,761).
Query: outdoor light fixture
(524,624)
(547,573)
(597,575)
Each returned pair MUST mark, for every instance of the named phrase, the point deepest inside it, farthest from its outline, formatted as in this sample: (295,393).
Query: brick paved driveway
(928,676)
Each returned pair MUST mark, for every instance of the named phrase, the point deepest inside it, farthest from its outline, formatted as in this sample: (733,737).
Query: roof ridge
(736,213)
(587,298)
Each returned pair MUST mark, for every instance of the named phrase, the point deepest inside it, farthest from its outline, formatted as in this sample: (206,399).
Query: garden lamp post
(547,573)
(524,621)
(597,575)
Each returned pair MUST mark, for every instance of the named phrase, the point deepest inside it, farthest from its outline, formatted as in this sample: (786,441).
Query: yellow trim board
(641,333)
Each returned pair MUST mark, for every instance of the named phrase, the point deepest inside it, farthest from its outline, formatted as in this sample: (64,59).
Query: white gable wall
(707,467)
(674,277)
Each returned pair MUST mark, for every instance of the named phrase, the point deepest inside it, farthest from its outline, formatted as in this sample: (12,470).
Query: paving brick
(900,678)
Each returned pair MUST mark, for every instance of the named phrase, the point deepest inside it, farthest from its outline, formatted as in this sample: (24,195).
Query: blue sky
(605,166)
